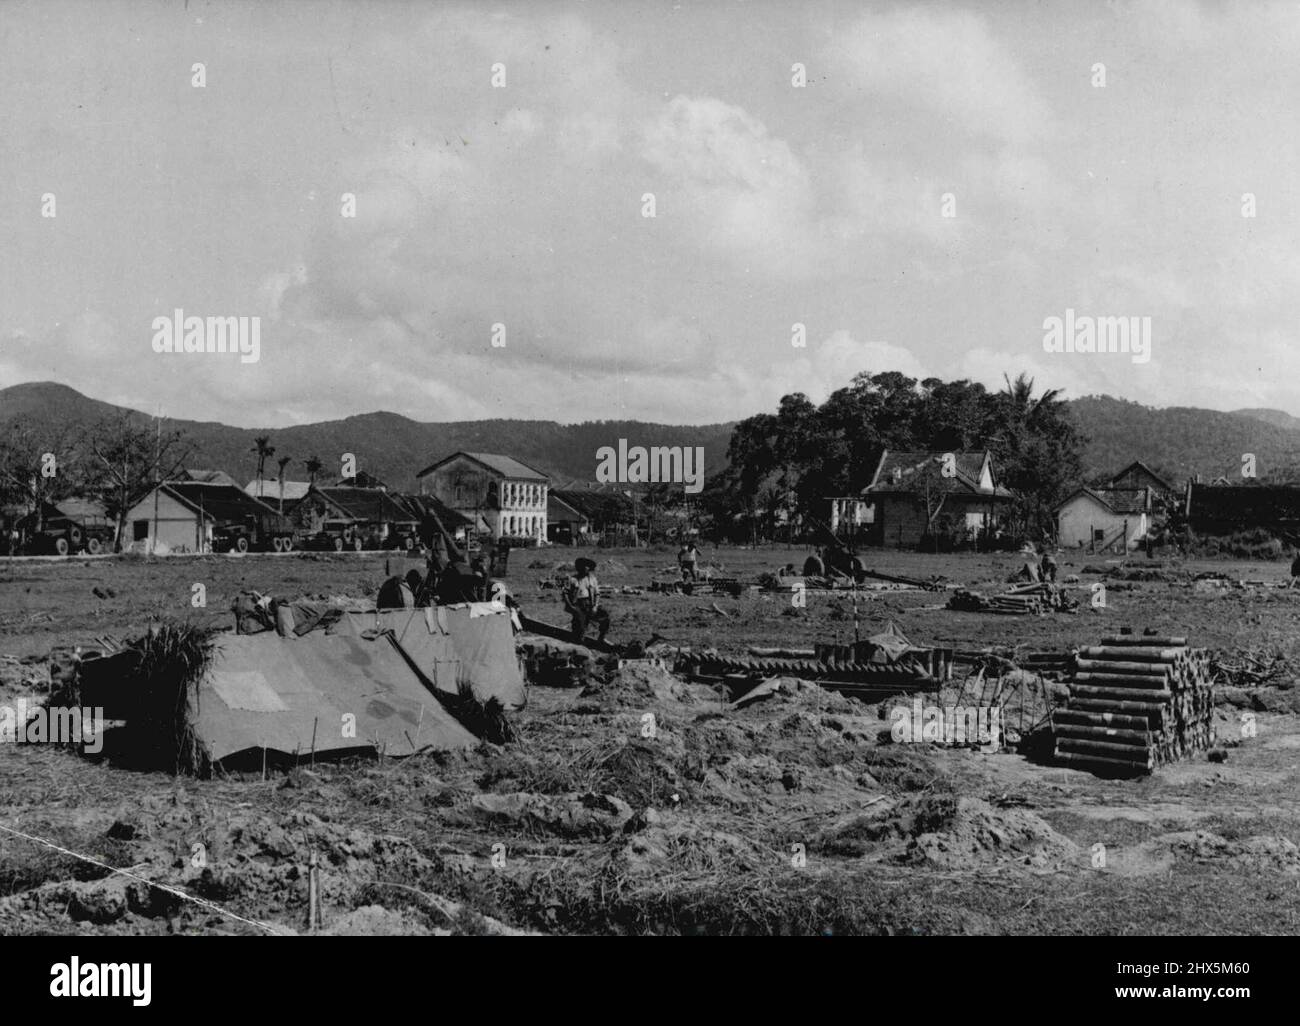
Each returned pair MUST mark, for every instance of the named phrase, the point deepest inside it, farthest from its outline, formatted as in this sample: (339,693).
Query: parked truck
(267,532)
(60,535)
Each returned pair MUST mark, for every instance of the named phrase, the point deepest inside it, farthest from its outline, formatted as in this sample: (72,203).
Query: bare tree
(931,486)
(37,467)
(132,456)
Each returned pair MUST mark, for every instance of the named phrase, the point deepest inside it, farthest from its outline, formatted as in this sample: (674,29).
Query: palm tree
(314,466)
(283,462)
(1020,401)
(265,450)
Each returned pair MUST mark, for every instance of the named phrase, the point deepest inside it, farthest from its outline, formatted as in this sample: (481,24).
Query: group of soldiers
(453,577)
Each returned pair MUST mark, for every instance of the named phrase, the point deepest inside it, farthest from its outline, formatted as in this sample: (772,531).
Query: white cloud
(945,62)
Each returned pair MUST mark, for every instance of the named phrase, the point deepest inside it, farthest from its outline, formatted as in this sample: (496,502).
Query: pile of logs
(1011,605)
(1136,702)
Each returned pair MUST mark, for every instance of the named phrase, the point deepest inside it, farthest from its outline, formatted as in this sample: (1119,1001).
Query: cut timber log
(1144,640)
(1115,666)
(1092,762)
(1111,705)
(1106,748)
(1123,680)
(1119,736)
(1123,694)
(1135,654)
(1094,719)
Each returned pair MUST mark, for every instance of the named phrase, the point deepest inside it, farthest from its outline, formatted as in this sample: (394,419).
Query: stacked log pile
(1135,703)
(1010,605)
(1022,601)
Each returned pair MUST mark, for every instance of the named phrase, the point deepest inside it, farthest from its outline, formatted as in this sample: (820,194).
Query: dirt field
(790,815)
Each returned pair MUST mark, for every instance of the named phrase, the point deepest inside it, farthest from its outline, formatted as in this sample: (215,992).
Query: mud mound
(570,815)
(637,770)
(641,684)
(907,768)
(1260,851)
(949,832)
(802,694)
(377,921)
(662,843)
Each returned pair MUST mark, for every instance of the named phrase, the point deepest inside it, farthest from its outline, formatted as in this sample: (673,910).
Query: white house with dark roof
(916,493)
(1104,518)
(505,496)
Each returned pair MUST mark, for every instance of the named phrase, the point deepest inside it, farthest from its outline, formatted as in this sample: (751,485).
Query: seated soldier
(582,600)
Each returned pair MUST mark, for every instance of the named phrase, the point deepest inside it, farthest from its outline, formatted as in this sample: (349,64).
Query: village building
(565,523)
(375,512)
(502,496)
(1104,519)
(917,495)
(182,516)
(274,492)
(216,477)
(425,508)
(1138,475)
(1215,509)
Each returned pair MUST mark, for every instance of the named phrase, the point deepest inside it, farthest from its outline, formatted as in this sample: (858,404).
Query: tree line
(117,461)
(782,467)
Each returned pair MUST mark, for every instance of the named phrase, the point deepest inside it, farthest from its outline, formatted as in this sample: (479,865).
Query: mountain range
(1176,442)
(388,446)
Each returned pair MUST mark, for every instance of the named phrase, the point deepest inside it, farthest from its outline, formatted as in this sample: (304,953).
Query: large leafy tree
(801,455)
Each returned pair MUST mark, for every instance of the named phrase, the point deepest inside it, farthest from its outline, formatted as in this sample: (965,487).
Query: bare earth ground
(788,815)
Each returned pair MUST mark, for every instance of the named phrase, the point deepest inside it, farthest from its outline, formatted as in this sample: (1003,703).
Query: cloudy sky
(523,205)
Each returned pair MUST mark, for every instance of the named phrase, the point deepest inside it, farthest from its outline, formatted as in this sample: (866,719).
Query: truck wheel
(241,544)
(338,544)
(92,546)
(75,536)
(61,546)
(356,544)
(287,543)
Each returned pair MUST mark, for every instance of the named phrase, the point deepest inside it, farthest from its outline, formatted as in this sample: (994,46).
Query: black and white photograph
(584,468)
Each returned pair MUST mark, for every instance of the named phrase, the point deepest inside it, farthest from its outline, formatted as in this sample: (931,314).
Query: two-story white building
(498,493)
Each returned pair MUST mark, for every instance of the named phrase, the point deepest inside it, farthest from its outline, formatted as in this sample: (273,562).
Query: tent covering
(368,682)
(471,643)
(264,691)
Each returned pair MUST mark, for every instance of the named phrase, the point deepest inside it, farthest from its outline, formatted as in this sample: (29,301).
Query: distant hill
(1176,441)
(1278,418)
(389,446)
(1179,441)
